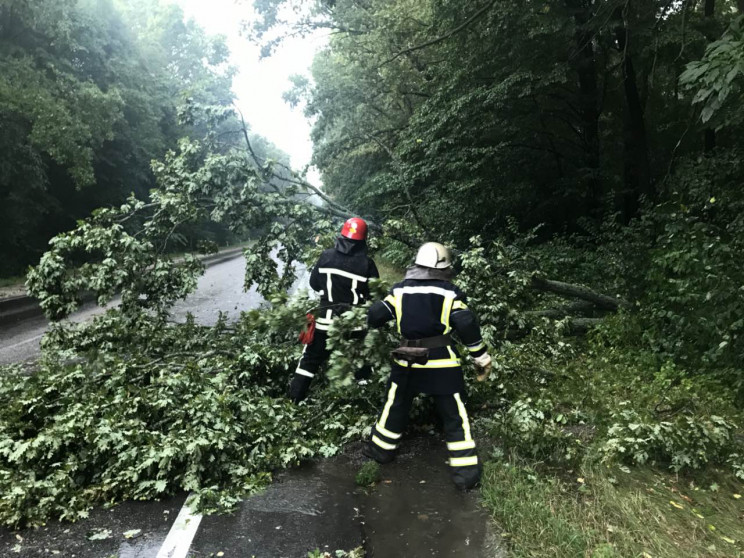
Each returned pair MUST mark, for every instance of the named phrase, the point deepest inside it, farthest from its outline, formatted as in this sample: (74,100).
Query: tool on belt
(416,351)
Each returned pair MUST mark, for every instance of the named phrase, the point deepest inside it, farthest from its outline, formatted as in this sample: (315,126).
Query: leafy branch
(461,27)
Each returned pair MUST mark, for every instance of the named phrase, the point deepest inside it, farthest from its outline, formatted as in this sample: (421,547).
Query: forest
(582,159)
(90,93)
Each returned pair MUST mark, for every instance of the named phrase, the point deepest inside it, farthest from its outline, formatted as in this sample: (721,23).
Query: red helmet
(355,229)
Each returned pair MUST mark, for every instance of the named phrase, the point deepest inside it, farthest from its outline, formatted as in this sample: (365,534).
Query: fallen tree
(580,307)
(567,290)
(591,307)
(202,409)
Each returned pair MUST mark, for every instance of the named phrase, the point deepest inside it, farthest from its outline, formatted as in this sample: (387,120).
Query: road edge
(14,309)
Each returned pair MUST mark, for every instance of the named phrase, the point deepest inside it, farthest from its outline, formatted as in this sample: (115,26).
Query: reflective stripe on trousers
(393,419)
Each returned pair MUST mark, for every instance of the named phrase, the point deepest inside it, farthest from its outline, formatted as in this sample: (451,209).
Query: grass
(620,405)
(368,474)
(606,512)
(388,272)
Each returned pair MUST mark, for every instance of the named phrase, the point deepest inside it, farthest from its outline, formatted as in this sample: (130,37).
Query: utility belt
(416,351)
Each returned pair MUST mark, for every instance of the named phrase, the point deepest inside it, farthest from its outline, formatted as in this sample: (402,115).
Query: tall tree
(89,95)
(638,179)
(554,112)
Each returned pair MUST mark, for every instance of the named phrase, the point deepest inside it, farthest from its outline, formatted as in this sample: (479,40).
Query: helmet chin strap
(429,273)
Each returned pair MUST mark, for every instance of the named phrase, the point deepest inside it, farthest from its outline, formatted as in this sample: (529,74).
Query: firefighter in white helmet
(427,308)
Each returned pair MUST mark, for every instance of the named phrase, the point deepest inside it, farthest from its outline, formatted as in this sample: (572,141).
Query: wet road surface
(419,513)
(413,512)
(72,540)
(220,289)
(21,341)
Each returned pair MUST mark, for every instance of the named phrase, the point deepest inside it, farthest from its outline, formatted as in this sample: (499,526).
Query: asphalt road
(21,341)
(413,512)
(220,289)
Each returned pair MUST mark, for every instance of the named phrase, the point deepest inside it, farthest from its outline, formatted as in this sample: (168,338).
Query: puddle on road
(415,511)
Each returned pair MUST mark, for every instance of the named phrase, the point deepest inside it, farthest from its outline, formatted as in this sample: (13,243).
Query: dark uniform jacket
(427,304)
(341,276)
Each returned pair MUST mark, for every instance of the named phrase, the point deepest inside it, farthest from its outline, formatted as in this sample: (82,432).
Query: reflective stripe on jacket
(342,276)
(427,308)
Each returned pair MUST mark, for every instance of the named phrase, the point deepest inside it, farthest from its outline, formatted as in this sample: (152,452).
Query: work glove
(484,363)
(362,375)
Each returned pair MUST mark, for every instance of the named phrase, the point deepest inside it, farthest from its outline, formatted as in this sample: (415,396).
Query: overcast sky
(260,83)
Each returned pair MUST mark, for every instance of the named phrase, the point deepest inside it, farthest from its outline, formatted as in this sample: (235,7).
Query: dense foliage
(594,142)
(90,92)
(132,418)
(118,408)
(564,113)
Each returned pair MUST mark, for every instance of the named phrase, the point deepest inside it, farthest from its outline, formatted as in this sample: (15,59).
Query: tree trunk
(578,307)
(710,133)
(600,300)
(637,167)
(586,69)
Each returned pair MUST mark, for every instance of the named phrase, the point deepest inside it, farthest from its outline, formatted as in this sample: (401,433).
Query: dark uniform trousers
(313,357)
(391,424)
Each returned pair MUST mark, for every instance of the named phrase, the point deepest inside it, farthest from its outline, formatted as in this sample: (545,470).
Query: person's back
(426,305)
(341,276)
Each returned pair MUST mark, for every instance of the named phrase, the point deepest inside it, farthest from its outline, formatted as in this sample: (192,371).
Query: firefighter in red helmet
(341,276)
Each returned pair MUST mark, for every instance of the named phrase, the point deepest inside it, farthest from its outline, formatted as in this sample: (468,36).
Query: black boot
(380,455)
(466,478)
(298,387)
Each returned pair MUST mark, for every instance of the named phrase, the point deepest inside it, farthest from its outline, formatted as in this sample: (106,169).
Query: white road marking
(181,534)
(7,347)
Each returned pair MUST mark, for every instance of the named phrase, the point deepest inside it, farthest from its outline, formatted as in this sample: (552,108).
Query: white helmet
(433,255)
